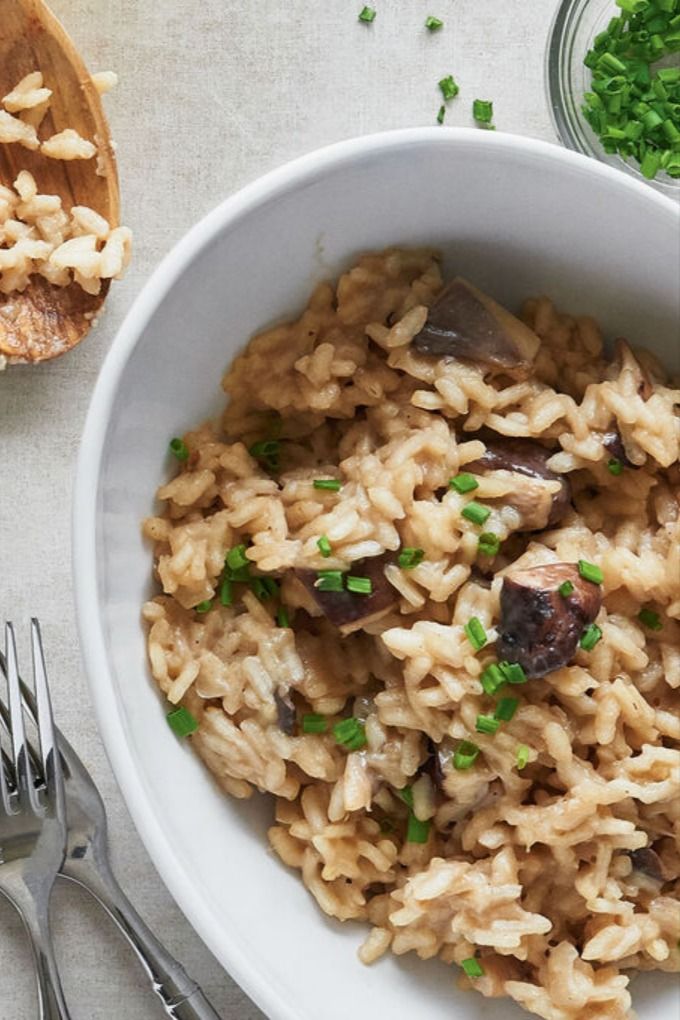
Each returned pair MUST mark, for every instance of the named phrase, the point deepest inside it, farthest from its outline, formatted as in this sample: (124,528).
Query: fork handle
(52,1005)
(180,995)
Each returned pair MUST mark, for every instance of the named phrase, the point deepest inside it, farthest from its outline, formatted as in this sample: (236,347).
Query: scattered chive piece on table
(492,678)
(181,722)
(329,580)
(473,968)
(359,585)
(590,572)
(590,637)
(614,466)
(179,448)
(417,831)
(505,709)
(565,589)
(476,513)
(650,619)
(406,794)
(367,15)
(475,633)
(282,618)
(441,114)
(313,723)
(449,87)
(204,607)
(522,756)
(236,558)
(489,544)
(324,546)
(409,557)
(434,24)
(487,724)
(482,111)
(465,755)
(350,733)
(226,597)
(513,672)
(329,484)
(463,483)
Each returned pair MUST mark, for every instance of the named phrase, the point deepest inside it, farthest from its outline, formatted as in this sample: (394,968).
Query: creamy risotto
(422,585)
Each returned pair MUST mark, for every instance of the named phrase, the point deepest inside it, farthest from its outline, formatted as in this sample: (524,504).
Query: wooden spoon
(44,321)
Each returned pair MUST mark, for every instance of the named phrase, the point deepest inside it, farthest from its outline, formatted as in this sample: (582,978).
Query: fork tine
(22,763)
(51,759)
(30,709)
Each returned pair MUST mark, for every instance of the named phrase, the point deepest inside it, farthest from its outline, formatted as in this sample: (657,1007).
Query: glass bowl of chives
(613,80)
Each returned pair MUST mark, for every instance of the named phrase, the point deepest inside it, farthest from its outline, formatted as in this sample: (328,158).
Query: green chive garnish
(489,544)
(614,466)
(506,708)
(473,968)
(179,448)
(522,756)
(650,619)
(486,724)
(464,482)
(513,672)
(236,558)
(406,794)
(441,114)
(267,453)
(465,755)
(359,585)
(565,589)
(475,633)
(449,87)
(434,24)
(476,513)
(590,637)
(182,722)
(409,557)
(282,618)
(350,733)
(226,597)
(482,111)
(590,572)
(204,607)
(328,484)
(313,723)
(417,831)
(264,587)
(492,678)
(367,15)
(324,546)
(329,580)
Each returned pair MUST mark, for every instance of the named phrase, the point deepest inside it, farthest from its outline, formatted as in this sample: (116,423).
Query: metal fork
(87,863)
(33,824)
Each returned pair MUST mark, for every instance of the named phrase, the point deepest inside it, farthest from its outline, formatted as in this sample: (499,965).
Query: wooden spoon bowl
(44,321)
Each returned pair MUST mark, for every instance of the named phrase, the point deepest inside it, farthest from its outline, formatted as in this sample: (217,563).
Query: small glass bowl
(573,30)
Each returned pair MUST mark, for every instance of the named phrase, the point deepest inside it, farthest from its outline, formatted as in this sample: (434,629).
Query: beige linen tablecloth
(212,94)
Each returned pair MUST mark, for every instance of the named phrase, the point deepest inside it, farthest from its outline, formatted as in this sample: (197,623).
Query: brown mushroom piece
(539,627)
(347,610)
(285,713)
(537,506)
(613,443)
(465,323)
(648,863)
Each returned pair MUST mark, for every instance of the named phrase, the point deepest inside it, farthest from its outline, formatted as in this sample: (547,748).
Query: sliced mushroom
(540,628)
(613,443)
(285,712)
(648,863)
(538,506)
(465,323)
(349,611)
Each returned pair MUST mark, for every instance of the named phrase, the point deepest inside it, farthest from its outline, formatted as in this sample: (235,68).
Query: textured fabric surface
(212,94)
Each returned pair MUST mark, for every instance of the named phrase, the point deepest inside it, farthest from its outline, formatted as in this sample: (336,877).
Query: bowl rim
(222,942)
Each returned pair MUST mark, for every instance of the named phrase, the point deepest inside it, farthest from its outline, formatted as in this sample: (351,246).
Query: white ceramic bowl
(518,217)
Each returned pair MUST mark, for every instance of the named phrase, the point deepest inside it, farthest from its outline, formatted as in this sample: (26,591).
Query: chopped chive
(614,466)
(367,15)
(359,585)
(492,678)
(406,794)
(590,572)
(513,672)
(475,633)
(182,722)
(476,513)
(313,723)
(226,597)
(329,580)
(204,607)
(441,114)
(565,589)
(282,618)
(506,708)
(465,755)
(329,484)
(522,756)
(417,831)
(650,619)
(267,452)
(449,87)
(409,557)
(486,724)
(464,482)
(236,558)
(350,733)
(473,968)
(482,111)
(489,544)
(324,546)
(434,24)
(264,587)
(179,448)
(590,637)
